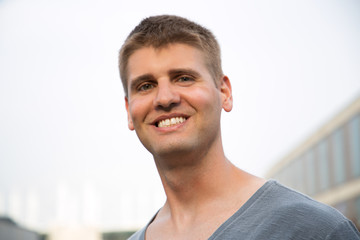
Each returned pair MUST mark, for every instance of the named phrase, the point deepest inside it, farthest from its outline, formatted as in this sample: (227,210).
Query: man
(175,91)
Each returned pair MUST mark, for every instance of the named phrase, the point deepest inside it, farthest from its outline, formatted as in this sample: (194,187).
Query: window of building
(286,176)
(299,183)
(310,172)
(280,176)
(355,145)
(339,156)
(357,206)
(291,175)
(323,158)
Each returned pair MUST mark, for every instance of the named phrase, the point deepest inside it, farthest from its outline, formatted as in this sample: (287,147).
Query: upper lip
(168,116)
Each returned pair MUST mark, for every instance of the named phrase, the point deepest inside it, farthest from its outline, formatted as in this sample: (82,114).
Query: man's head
(160,31)
(175,89)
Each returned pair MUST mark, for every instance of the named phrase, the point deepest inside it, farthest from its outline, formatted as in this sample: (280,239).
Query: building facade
(9,230)
(327,165)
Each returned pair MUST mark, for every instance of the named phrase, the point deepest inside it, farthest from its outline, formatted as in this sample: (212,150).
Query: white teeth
(171,121)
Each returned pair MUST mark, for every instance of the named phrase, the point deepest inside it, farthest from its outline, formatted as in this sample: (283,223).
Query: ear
(130,122)
(226,92)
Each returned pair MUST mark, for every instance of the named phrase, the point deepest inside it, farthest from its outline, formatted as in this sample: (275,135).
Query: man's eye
(145,87)
(185,79)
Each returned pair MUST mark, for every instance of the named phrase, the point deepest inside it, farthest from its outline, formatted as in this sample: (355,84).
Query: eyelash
(185,79)
(147,85)
(181,79)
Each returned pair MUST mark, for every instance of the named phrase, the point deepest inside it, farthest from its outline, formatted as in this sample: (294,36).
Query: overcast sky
(65,148)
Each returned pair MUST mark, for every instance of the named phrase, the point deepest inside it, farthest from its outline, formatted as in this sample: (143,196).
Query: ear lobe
(227,99)
(130,122)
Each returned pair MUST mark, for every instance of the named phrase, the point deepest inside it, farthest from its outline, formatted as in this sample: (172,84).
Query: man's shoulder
(277,212)
(291,209)
(290,202)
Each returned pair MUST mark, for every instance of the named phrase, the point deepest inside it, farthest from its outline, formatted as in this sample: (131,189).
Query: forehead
(150,60)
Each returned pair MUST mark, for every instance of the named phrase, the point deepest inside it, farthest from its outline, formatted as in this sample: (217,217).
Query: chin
(172,150)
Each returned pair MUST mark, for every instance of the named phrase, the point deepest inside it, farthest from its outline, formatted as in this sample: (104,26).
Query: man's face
(174,104)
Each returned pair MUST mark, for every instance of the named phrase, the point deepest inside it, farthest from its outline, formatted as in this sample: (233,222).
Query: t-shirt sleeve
(344,231)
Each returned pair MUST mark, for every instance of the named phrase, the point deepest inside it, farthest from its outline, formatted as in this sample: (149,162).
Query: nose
(167,96)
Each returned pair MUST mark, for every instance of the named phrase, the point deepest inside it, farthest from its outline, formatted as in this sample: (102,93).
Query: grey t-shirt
(276,212)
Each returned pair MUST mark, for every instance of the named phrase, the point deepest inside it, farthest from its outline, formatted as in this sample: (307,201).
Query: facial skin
(173,104)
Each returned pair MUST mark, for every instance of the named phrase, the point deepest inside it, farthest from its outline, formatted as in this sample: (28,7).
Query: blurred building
(327,165)
(116,235)
(9,230)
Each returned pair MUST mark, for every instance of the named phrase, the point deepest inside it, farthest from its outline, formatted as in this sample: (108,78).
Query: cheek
(205,98)
(137,111)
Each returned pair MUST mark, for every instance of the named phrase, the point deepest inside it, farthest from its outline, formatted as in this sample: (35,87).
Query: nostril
(167,107)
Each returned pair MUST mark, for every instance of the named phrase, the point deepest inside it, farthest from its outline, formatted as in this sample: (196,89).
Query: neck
(193,179)
(186,182)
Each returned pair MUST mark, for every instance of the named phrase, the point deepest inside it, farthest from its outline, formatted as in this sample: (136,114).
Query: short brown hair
(160,31)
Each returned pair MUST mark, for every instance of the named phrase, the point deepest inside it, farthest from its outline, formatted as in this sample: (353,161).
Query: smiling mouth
(170,122)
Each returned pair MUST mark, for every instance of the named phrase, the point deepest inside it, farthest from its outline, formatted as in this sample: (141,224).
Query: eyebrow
(182,71)
(136,81)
